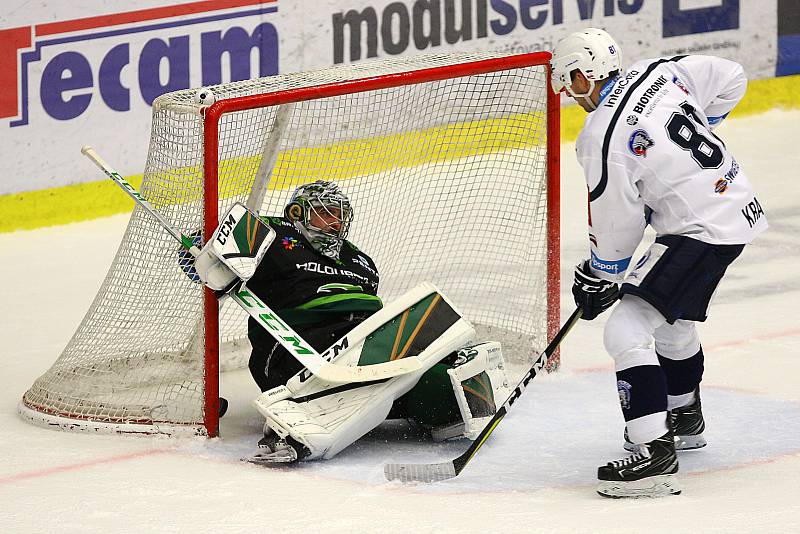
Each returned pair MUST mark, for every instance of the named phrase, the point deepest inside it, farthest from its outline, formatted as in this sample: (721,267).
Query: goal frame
(212,115)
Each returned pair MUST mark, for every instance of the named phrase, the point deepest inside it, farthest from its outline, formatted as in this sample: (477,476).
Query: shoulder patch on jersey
(639,142)
(290,243)
(680,84)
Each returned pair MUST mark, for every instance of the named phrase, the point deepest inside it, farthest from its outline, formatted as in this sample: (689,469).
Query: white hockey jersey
(648,151)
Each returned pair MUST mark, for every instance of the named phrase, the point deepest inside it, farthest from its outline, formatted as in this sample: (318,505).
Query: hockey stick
(445,470)
(268,319)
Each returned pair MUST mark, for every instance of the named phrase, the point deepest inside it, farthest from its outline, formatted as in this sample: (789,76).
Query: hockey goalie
(332,361)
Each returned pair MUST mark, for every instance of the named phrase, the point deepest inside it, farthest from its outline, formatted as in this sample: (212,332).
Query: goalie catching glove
(233,253)
(592,294)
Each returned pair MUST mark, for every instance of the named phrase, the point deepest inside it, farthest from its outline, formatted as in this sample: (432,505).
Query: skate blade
(688,443)
(682,443)
(272,458)
(656,486)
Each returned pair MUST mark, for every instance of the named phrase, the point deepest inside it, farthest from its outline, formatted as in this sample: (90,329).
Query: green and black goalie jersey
(307,288)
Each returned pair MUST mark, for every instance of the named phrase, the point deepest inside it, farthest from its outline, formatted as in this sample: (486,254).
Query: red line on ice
(82,465)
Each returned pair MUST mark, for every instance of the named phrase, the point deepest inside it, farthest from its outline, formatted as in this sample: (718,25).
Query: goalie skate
(274,450)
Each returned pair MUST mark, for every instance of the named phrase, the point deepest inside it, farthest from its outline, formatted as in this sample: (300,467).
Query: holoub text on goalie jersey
(648,150)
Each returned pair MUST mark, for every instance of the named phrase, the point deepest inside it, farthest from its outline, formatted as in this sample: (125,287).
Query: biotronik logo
(60,70)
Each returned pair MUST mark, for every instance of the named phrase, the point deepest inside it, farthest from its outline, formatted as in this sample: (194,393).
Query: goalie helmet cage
(451,162)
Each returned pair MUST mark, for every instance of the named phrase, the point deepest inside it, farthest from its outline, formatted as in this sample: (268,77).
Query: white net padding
(448,180)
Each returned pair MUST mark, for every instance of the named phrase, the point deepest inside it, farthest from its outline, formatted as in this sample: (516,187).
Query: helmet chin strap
(588,100)
(587,96)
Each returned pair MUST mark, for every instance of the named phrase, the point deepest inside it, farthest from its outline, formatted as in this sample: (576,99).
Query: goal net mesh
(448,182)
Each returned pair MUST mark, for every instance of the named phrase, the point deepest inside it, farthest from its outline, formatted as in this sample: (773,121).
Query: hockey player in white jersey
(650,156)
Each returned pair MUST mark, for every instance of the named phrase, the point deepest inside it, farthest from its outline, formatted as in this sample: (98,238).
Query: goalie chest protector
(302,285)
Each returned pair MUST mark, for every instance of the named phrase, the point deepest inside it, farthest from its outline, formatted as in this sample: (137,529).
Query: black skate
(650,472)
(687,425)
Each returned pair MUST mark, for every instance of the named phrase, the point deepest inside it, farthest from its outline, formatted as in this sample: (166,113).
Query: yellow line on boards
(91,200)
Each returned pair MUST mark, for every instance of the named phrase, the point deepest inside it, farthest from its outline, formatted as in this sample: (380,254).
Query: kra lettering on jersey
(649,93)
(752,212)
(622,83)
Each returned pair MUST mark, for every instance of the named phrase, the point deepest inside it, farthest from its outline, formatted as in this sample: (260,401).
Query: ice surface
(537,472)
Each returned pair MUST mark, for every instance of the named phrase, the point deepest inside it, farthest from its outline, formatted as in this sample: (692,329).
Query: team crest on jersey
(624,389)
(680,84)
(289,243)
(633,120)
(639,142)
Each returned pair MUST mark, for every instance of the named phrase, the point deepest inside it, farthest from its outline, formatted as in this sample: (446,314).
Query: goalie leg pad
(325,417)
(480,385)
(459,396)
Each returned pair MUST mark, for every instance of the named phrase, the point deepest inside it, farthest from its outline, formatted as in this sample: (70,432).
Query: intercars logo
(62,68)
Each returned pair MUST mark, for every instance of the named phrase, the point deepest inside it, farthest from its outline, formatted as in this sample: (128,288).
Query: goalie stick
(436,472)
(261,312)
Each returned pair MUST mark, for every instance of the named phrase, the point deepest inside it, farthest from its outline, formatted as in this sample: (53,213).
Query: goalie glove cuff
(212,271)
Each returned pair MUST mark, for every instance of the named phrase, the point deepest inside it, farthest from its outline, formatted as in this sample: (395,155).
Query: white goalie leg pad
(480,385)
(325,417)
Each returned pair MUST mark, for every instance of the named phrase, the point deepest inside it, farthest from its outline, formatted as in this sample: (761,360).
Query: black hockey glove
(592,295)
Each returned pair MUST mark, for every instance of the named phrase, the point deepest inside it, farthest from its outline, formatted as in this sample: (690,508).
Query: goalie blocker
(454,394)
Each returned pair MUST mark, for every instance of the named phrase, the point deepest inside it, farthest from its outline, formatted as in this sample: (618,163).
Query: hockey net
(451,165)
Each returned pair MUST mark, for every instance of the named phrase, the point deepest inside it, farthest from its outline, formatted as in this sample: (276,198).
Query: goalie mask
(322,213)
